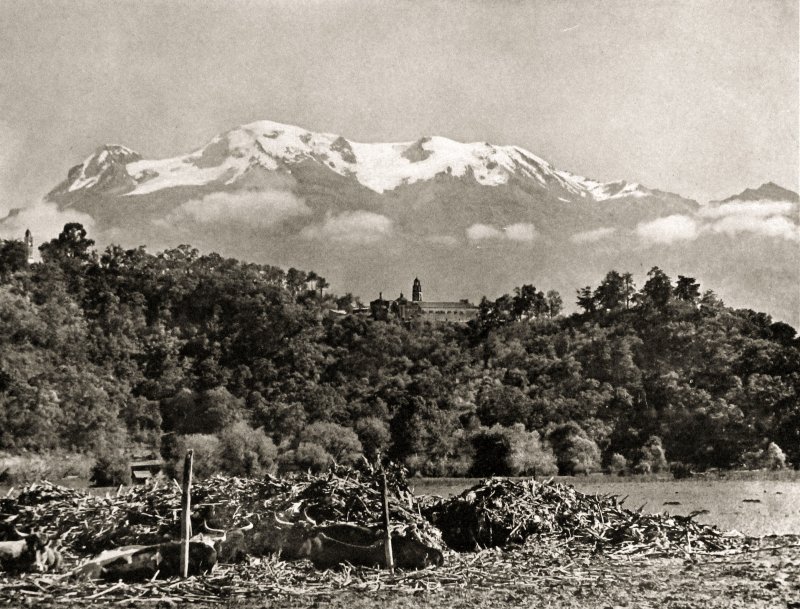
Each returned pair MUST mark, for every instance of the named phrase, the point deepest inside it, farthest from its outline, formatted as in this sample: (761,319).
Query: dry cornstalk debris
(499,512)
(88,524)
(536,532)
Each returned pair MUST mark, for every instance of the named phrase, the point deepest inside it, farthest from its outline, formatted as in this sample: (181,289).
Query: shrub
(771,457)
(307,456)
(511,451)
(111,468)
(582,457)
(642,468)
(455,466)
(244,451)
(652,457)
(374,436)
(774,457)
(78,465)
(529,456)
(416,465)
(341,443)
(680,470)
(206,460)
(618,464)
(492,448)
(575,452)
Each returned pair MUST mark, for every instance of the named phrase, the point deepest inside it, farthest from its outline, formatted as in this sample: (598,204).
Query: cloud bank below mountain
(521,232)
(772,219)
(356,227)
(262,209)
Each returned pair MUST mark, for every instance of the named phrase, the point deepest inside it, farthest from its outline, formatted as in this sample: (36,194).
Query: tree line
(122,350)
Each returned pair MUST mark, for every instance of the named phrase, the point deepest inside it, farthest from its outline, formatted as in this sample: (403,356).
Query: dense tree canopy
(127,348)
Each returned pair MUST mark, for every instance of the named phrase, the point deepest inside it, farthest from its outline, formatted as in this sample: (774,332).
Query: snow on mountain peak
(379,167)
(100,165)
(618,190)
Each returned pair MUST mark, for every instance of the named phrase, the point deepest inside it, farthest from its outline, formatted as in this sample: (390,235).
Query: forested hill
(123,348)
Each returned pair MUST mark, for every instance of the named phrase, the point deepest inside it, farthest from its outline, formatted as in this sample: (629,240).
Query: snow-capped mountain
(271,146)
(467,218)
(105,169)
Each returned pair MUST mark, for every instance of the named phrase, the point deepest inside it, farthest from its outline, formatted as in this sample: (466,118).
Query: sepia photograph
(421,303)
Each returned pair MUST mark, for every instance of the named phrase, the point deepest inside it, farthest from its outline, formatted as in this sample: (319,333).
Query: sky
(698,97)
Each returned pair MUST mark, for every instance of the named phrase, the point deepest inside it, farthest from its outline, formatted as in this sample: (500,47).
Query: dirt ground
(765,577)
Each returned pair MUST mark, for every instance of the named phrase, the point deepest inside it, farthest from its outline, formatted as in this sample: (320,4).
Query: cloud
(591,236)
(669,229)
(521,232)
(774,219)
(256,208)
(759,209)
(477,232)
(775,226)
(44,220)
(358,227)
(768,218)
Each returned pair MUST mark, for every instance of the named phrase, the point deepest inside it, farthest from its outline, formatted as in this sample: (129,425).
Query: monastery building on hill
(418,309)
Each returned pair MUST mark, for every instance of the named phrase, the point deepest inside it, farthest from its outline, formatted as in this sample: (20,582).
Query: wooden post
(387,533)
(186,512)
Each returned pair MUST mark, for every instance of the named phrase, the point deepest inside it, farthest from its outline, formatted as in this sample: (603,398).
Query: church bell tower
(416,291)
(29,245)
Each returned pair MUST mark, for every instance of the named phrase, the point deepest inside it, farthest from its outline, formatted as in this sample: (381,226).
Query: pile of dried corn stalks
(499,512)
(87,524)
(547,526)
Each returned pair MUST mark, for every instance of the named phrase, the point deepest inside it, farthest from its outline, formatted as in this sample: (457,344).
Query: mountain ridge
(768,191)
(378,166)
(469,219)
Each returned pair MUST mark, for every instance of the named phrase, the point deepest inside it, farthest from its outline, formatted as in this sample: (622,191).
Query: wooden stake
(186,512)
(387,533)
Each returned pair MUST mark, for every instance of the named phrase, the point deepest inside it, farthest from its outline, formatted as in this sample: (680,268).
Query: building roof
(147,463)
(446,305)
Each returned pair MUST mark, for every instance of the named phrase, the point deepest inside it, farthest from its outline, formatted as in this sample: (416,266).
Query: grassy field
(753,507)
